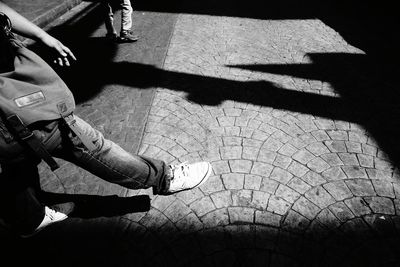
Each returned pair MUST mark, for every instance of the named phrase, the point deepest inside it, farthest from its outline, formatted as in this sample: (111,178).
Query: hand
(63,53)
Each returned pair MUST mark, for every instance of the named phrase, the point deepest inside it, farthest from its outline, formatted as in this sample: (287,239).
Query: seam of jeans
(111,168)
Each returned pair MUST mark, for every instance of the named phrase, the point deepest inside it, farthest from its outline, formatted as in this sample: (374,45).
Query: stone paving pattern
(289,188)
(277,173)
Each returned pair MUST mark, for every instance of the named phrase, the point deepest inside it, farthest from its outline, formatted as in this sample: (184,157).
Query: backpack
(30,91)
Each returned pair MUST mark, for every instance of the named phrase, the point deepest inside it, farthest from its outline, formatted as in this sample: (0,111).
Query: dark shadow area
(121,242)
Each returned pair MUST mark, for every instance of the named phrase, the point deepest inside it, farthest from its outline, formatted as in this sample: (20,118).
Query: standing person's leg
(127,34)
(126,15)
(109,21)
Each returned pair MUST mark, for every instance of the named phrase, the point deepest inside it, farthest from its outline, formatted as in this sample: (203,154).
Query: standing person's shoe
(187,176)
(128,37)
(113,37)
(50,216)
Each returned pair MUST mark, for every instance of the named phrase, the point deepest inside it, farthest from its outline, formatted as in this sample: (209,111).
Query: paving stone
(365,160)
(360,187)
(162,202)
(202,206)
(232,132)
(383,188)
(338,189)
(268,185)
(306,208)
(189,196)
(320,135)
(335,173)
(353,147)
(303,156)
(318,165)
(241,198)
(379,175)
(241,215)
(231,152)
(287,193)
(338,135)
(287,150)
(354,172)
(252,182)
(332,159)
(369,150)
(357,137)
(233,180)
(154,219)
(348,158)
(381,205)
(176,211)
(298,185)
(266,156)
(220,167)
(260,200)
(281,175)
(320,197)
(358,206)
(250,153)
(295,222)
(297,169)
(336,146)
(215,218)
(190,223)
(341,211)
(262,169)
(313,178)
(328,219)
(278,205)
(282,161)
(240,166)
(222,199)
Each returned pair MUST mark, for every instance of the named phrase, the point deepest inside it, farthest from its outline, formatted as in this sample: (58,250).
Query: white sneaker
(50,216)
(187,176)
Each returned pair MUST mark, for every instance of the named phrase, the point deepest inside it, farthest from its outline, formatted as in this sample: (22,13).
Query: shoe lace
(51,214)
(180,170)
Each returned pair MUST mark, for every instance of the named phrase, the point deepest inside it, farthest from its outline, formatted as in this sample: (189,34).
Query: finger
(66,62)
(60,62)
(67,52)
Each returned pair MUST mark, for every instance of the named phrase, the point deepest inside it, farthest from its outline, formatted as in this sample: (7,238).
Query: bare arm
(24,27)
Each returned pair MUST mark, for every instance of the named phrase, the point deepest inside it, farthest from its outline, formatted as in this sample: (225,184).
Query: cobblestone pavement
(289,187)
(298,179)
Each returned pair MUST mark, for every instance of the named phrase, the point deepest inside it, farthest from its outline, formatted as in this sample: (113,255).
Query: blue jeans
(20,181)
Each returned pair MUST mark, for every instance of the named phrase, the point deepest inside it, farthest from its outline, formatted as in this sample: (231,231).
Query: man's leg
(127,35)
(109,21)
(126,15)
(110,162)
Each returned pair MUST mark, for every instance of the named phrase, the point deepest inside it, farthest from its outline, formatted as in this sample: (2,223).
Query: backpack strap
(27,136)
(71,122)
